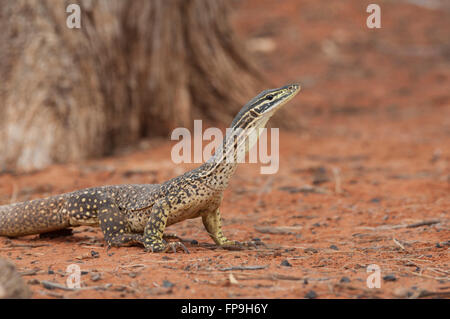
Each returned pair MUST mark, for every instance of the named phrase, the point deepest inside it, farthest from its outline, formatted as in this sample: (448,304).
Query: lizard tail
(33,217)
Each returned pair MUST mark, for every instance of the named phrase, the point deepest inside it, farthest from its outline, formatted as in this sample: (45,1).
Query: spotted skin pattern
(139,214)
(126,214)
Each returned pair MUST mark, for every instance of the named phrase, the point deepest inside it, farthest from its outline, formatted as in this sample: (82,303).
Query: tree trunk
(134,69)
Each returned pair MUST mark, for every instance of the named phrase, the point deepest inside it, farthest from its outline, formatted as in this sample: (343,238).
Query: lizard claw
(176,244)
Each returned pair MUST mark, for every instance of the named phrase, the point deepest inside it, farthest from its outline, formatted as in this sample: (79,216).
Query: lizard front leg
(154,229)
(213,224)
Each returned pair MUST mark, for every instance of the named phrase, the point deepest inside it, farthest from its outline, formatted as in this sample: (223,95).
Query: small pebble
(120,288)
(389,278)
(311,295)
(95,277)
(33,282)
(167,284)
(95,254)
(334,247)
(311,250)
(286,263)
(344,280)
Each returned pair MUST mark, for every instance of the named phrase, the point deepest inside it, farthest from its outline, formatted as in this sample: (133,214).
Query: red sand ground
(370,161)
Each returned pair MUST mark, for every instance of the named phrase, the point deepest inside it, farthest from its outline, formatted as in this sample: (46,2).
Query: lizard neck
(219,169)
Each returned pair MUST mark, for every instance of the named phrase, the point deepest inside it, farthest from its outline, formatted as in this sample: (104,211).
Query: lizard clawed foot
(174,245)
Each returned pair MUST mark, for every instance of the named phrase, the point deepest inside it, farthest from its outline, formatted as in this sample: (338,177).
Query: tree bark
(134,69)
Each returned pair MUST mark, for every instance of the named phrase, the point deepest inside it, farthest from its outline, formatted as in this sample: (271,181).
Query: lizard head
(260,109)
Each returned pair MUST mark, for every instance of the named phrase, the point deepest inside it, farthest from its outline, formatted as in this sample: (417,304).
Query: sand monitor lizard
(130,214)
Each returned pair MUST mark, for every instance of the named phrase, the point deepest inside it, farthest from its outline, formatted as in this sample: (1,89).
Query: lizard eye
(269,97)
